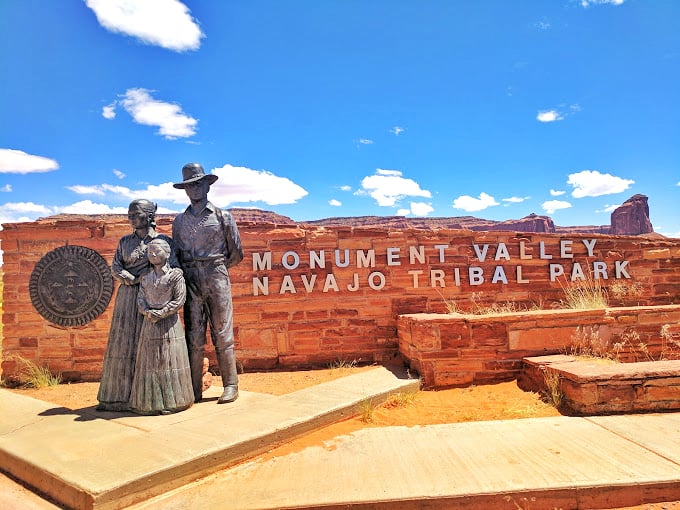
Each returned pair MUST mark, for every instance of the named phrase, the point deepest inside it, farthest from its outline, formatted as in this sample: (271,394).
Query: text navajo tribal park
(472,275)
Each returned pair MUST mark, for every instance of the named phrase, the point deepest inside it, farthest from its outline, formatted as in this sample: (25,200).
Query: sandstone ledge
(593,387)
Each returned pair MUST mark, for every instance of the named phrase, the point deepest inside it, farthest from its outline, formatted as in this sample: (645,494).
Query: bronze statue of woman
(130,263)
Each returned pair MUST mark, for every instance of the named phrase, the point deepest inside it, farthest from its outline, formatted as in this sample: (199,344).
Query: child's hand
(154,315)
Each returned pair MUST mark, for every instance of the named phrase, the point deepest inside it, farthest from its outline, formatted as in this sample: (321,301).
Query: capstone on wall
(307,296)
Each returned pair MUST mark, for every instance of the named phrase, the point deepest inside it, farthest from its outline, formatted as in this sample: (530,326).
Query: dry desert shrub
(670,343)
(553,387)
(584,294)
(32,375)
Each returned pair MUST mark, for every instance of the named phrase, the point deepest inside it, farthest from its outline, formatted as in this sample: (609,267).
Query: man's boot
(196,365)
(226,360)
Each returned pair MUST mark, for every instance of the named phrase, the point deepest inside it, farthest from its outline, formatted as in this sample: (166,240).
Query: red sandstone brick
(90,370)
(425,338)
(260,338)
(659,390)
(666,317)
(89,353)
(268,317)
(313,315)
(612,393)
(446,379)
(479,353)
(344,312)
(489,334)
(28,342)
(578,391)
(543,338)
(660,253)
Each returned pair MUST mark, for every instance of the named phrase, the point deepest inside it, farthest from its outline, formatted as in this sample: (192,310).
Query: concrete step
(530,464)
(86,459)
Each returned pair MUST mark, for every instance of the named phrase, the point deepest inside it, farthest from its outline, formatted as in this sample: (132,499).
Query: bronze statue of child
(162,376)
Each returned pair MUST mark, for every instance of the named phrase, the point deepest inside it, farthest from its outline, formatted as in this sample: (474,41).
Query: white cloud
(555,205)
(470,204)
(235,184)
(591,183)
(118,174)
(608,208)
(345,187)
(335,203)
(556,193)
(6,188)
(89,207)
(421,208)
(365,141)
(156,192)
(515,200)
(240,184)
(18,162)
(549,116)
(542,25)
(560,113)
(387,187)
(109,111)
(17,212)
(397,130)
(164,23)
(587,3)
(171,121)
(87,190)
(104,189)
(26,208)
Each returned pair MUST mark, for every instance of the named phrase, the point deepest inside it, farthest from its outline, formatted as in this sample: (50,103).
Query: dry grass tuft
(33,376)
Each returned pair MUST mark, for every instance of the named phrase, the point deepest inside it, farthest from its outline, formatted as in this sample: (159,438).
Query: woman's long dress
(162,378)
(126,323)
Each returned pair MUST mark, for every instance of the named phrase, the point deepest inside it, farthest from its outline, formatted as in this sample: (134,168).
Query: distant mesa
(631,218)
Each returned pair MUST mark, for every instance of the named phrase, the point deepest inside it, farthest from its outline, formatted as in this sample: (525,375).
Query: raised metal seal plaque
(71,286)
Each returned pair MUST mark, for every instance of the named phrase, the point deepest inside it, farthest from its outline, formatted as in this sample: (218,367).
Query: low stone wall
(308,296)
(592,387)
(461,350)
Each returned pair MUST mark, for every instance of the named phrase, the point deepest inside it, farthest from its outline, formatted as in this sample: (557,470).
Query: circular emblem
(71,286)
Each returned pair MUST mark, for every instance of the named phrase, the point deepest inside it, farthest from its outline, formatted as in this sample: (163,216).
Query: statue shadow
(82,414)
(91,413)
(87,413)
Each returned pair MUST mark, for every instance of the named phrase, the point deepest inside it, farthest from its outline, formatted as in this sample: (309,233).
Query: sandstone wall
(297,313)
(449,350)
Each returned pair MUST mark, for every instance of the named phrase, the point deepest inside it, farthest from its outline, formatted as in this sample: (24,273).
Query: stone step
(86,459)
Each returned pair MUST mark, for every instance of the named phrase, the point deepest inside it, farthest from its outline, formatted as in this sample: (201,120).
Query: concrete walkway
(87,459)
(529,464)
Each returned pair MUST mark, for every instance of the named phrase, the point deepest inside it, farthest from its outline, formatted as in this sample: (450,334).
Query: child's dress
(162,377)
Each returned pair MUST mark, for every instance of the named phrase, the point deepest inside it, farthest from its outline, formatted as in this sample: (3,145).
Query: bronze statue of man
(206,242)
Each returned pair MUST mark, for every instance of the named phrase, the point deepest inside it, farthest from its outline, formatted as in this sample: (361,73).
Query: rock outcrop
(531,223)
(632,217)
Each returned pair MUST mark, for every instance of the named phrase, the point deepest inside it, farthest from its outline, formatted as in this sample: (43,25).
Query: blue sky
(322,108)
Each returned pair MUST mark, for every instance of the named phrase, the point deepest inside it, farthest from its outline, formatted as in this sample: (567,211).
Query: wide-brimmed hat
(193,172)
